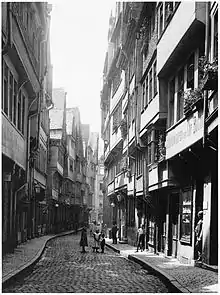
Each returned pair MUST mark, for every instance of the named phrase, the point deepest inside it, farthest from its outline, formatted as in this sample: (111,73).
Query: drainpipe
(207,42)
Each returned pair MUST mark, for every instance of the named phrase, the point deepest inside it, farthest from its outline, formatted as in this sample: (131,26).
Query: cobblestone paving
(63,269)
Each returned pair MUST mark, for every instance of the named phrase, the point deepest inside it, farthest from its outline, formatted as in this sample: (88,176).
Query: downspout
(207,42)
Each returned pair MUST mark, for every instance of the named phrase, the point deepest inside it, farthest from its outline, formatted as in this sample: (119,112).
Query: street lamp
(113,204)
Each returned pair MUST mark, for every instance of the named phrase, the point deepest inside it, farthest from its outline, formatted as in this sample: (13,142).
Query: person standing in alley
(114,233)
(140,238)
(96,241)
(83,240)
(198,232)
(102,242)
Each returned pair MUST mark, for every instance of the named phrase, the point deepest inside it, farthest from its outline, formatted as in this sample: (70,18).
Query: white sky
(79,31)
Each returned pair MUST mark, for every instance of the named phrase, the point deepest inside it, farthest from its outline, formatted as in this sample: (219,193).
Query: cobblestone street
(63,268)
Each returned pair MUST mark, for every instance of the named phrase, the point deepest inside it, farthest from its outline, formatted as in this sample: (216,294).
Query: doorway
(174,213)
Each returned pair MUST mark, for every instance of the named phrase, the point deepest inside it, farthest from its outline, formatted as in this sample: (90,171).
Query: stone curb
(179,288)
(11,275)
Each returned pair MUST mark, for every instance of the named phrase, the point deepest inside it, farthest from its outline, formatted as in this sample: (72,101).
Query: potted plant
(192,97)
(208,73)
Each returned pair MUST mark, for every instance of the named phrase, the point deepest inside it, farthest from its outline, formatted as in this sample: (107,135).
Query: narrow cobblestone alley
(62,268)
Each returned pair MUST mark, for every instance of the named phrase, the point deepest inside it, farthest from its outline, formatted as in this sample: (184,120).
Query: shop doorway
(174,213)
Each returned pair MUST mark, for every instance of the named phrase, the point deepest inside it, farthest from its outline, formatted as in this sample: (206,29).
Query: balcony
(139,185)
(130,185)
(150,113)
(118,93)
(183,31)
(160,176)
(13,143)
(119,181)
(116,137)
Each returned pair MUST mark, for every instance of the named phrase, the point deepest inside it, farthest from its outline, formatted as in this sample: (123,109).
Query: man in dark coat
(114,233)
(83,241)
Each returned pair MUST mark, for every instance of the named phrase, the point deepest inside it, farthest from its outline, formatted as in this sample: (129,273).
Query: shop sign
(184,135)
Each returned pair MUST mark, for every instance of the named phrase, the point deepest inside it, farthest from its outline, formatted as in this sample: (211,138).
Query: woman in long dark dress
(83,241)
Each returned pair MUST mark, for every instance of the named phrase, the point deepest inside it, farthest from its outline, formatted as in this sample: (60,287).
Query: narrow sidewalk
(185,278)
(25,255)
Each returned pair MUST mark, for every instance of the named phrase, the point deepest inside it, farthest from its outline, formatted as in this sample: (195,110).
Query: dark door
(174,222)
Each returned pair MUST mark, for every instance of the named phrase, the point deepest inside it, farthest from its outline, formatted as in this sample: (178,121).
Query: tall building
(26,97)
(99,202)
(92,162)
(159,124)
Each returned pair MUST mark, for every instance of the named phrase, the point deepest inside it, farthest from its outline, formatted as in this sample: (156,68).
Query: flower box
(192,98)
(210,81)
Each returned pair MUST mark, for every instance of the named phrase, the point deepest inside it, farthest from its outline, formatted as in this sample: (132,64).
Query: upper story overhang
(185,30)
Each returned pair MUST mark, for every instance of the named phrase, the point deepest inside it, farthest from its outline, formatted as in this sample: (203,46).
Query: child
(102,243)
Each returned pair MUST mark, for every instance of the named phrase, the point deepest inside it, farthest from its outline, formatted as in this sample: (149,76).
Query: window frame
(186,238)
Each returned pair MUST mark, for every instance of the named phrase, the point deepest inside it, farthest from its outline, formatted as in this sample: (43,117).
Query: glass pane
(186,218)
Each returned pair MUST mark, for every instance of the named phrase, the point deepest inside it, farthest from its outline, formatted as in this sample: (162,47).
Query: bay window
(184,79)
(13,103)
(149,86)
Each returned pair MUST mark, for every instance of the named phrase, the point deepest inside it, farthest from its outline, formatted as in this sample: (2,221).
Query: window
(5,100)
(146,95)
(160,20)
(143,95)
(186,216)
(180,99)
(150,148)
(23,114)
(171,101)
(155,78)
(116,83)
(11,96)
(15,103)
(215,35)
(151,229)
(71,165)
(132,66)
(168,11)
(150,86)
(190,72)
(139,163)
(117,118)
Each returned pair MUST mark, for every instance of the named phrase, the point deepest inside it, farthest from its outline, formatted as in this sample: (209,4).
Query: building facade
(165,134)
(26,97)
